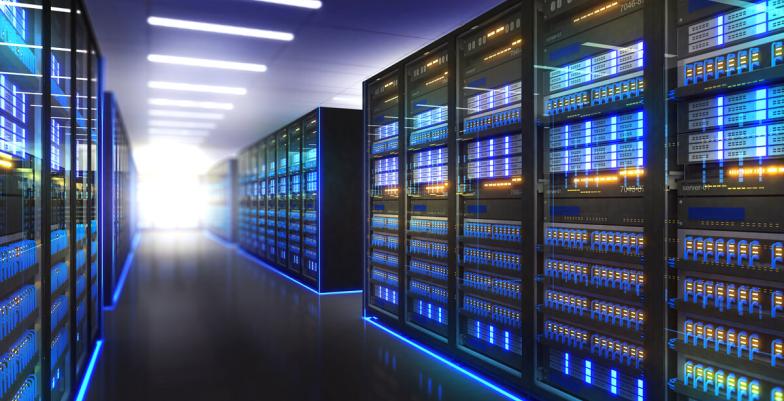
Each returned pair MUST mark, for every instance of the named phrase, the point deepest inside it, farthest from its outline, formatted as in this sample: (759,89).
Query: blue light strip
(449,363)
(126,267)
(88,374)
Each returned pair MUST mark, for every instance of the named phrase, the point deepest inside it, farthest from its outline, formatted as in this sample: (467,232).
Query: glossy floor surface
(198,320)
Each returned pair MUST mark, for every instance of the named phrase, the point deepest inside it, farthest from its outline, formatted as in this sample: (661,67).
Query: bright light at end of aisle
(170,192)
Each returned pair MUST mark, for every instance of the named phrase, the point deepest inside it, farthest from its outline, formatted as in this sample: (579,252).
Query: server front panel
(295,135)
(729,100)
(489,188)
(272,212)
(592,307)
(427,187)
(310,196)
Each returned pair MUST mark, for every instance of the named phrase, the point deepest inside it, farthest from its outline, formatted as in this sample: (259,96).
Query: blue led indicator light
(614,381)
(588,372)
(566,363)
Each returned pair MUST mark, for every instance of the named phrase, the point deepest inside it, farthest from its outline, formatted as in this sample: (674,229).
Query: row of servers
(118,203)
(297,204)
(220,184)
(49,118)
(578,198)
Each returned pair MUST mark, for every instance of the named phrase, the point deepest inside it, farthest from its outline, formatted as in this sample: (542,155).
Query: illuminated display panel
(428,164)
(729,99)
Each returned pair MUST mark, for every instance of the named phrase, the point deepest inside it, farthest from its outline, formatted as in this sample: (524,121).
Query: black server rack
(244,195)
(302,174)
(727,336)
(220,183)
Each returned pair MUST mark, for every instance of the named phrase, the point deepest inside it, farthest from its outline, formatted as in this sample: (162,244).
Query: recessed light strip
(177,132)
(182,124)
(181,86)
(312,4)
(185,114)
(206,63)
(219,28)
(191,104)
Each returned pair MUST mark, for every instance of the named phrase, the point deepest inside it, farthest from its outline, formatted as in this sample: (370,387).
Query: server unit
(728,96)
(295,210)
(221,186)
(50,281)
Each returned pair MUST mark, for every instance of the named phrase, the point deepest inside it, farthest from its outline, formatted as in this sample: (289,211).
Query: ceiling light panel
(182,124)
(191,104)
(219,28)
(186,87)
(312,4)
(186,114)
(206,63)
(177,132)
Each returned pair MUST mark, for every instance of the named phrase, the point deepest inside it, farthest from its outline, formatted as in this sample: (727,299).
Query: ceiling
(334,49)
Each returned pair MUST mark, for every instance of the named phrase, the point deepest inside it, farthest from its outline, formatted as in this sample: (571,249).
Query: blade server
(294,212)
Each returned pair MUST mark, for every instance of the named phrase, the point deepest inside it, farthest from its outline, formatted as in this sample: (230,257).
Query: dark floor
(199,321)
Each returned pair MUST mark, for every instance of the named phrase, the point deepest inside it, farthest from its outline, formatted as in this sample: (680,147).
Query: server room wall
(294,211)
(579,206)
(49,225)
(118,203)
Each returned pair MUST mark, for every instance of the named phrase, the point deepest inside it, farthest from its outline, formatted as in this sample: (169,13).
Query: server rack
(118,201)
(221,185)
(727,83)
(301,170)
(49,89)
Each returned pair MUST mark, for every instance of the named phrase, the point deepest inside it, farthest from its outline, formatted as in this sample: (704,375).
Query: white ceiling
(335,48)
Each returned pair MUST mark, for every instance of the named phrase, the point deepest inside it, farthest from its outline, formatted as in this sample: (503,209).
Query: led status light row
(488,333)
(630,388)
(502,117)
(730,341)
(387,131)
(737,143)
(497,231)
(729,385)
(384,146)
(742,108)
(741,24)
(432,292)
(627,280)
(489,99)
(623,242)
(501,314)
(386,294)
(608,312)
(16,360)
(435,115)
(384,258)
(59,310)
(432,270)
(385,277)
(730,64)
(433,249)
(16,308)
(435,226)
(384,241)
(602,66)
(431,311)
(728,296)
(596,158)
(17,258)
(426,136)
(730,251)
(613,129)
(503,287)
(491,258)
(604,94)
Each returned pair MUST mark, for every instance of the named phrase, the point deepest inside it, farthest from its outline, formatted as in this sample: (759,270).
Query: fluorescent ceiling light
(186,114)
(206,63)
(191,104)
(313,4)
(182,124)
(177,132)
(218,28)
(181,86)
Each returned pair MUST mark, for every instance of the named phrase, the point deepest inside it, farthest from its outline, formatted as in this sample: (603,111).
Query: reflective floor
(197,320)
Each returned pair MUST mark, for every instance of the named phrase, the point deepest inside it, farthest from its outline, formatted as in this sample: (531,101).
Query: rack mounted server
(296,211)
(583,204)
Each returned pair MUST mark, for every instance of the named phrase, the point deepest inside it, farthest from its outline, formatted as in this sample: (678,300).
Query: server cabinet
(221,185)
(728,84)
(243,216)
(383,182)
(305,171)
